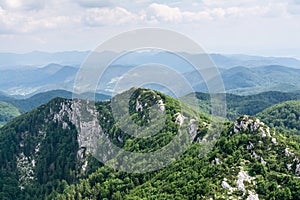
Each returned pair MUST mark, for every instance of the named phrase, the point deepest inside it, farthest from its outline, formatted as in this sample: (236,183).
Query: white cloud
(22,4)
(9,22)
(164,13)
(94,3)
(18,23)
(232,3)
(46,23)
(15,16)
(215,10)
(109,16)
(49,23)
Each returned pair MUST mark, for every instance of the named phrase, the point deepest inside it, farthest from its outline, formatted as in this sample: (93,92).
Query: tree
(117,196)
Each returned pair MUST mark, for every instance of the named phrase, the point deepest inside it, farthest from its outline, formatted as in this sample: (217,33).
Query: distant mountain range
(243,80)
(229,61)
(11,107)
(38,58)
(36,100)
(241,74)
(22,83)
(76,58)
(32,80)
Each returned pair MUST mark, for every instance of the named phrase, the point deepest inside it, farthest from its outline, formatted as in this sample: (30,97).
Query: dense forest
(284,117)
(238,105)
(43,157)
(7,112)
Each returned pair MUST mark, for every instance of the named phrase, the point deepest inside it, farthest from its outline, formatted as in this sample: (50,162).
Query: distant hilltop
(39,58)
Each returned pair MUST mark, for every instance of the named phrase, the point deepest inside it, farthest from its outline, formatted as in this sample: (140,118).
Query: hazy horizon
(264,28)
(216,53)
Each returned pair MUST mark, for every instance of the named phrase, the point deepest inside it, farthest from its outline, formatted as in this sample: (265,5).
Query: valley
(149,100)
(47,152)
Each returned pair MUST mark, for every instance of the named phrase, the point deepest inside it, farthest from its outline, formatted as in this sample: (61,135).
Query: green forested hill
(247,105)
(236,105)
(249,161)
(7,112)
(37,154)
(284,117)
(42,151)
(43,156)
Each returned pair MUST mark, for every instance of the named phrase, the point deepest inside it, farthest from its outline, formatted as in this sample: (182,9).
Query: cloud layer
(22,16)
(72,23)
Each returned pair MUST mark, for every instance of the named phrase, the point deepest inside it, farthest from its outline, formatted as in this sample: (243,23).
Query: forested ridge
(284,117)
(41,157)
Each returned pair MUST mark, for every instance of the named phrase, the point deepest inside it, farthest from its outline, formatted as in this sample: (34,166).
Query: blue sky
(258,27)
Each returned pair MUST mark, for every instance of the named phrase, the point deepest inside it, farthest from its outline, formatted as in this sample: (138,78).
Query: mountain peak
(248,124)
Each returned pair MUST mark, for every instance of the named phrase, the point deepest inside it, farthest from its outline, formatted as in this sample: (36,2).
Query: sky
(257,27)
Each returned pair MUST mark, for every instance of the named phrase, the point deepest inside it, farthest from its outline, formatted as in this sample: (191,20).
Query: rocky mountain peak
(247,124)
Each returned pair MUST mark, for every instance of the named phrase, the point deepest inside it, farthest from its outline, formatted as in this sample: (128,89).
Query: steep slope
(37,152)
(42,151)
(45,156)
(284,117)
(249,161)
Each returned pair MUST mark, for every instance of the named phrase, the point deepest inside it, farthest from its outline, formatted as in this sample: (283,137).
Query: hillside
(7,112)
(238,105)
(42,150)
(249,161)
(45,156)
(284,117)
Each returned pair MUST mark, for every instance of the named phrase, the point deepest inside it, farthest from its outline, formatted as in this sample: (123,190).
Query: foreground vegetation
(41,157)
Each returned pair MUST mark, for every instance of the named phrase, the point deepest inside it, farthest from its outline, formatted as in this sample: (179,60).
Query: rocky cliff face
(84,116)
(80,122)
